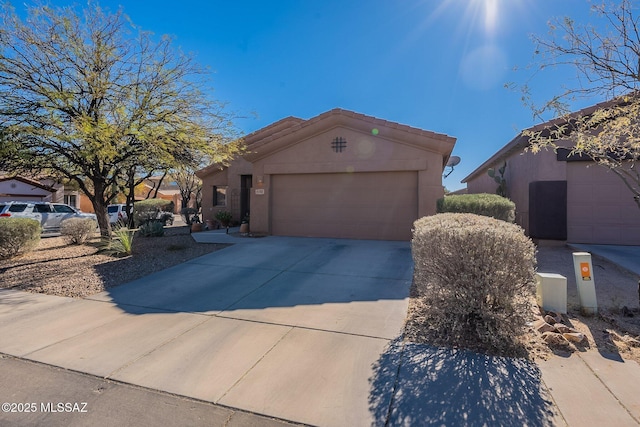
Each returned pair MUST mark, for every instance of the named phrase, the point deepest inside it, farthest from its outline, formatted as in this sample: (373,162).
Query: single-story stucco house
(562,197)
(340,174)
(18,188)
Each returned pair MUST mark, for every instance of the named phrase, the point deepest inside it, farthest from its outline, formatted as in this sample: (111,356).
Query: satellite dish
(453,161)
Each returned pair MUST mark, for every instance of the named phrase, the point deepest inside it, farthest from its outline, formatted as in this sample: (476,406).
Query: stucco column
(260,197)
(430,189)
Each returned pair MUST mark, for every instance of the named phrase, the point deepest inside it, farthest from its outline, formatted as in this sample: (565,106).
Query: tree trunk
(155,195)
(185,200)
(100,208)
(103,217)
(131,197)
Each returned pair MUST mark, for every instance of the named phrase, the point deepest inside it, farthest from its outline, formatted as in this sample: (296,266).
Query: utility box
(586,284)
(551,292)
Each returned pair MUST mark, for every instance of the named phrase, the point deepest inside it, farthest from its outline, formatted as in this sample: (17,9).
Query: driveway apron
(286,327)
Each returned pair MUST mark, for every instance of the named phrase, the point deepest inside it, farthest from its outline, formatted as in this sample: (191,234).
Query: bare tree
(86,95)
(606,59)
(188,184)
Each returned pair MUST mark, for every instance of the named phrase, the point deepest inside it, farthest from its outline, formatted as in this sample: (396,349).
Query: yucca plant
(121,242)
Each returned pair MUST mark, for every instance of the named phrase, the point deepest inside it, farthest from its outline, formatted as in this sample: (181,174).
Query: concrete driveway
(292,328)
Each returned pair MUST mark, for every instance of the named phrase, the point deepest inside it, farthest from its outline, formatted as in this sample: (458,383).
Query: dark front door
(548,210)
(245,195)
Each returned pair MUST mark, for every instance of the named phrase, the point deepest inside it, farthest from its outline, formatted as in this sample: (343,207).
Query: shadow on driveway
(440,386)
(275,273)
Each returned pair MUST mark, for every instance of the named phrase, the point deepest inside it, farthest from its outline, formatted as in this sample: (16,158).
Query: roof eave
(521,141)
(441,143)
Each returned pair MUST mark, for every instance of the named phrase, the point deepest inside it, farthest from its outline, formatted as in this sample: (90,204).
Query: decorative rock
(553,338)
(550,319)
(542,326)
(564,329)
(613,335)
(576,337)
(632,342)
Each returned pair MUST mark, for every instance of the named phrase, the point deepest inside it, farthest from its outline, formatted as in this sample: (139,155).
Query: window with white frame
(71,200)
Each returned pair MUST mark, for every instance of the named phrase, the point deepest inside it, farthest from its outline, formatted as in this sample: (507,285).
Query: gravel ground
(611,331)
(57,268)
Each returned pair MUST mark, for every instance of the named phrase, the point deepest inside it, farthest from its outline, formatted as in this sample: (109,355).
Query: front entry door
(245,195)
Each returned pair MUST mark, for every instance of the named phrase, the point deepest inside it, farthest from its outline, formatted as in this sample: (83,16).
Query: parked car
(117,213)
(50,215)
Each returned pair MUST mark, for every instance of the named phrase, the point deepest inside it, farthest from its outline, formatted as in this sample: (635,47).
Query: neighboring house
(340,174)
(168,191)
(559,197)
(18,188)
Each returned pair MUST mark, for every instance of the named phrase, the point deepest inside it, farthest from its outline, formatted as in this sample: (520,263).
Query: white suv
(50,215)
(117,213)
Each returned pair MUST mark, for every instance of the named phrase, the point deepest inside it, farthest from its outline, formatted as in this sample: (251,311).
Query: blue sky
(439,65)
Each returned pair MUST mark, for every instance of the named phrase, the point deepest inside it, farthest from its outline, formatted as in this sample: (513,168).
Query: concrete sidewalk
(593,388)
(625,256)
(596,389)
(284,327)
(56,397)
(303,330)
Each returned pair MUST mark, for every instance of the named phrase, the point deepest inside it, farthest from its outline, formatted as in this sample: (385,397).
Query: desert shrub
(153,228)
(150,210)
(18,235)
(224,217)
(77,230)
(475,277)
(187,214)
(120,243)
(480,204)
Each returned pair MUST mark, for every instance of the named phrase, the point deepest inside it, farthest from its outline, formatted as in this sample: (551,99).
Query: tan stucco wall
(522,169)
(365,152)
(229,177)
(600,208)
(391,155)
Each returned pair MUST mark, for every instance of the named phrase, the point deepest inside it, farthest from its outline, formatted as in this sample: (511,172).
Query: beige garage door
(380,205)
(600,208)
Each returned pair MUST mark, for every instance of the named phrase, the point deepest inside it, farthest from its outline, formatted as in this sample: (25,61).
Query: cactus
(499,179)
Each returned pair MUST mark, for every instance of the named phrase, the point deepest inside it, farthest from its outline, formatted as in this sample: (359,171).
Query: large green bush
(480,204)
(474,276)
(18,235)
(149,210)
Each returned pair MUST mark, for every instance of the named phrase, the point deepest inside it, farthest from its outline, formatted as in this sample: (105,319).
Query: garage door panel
(358,205)
(600,209)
